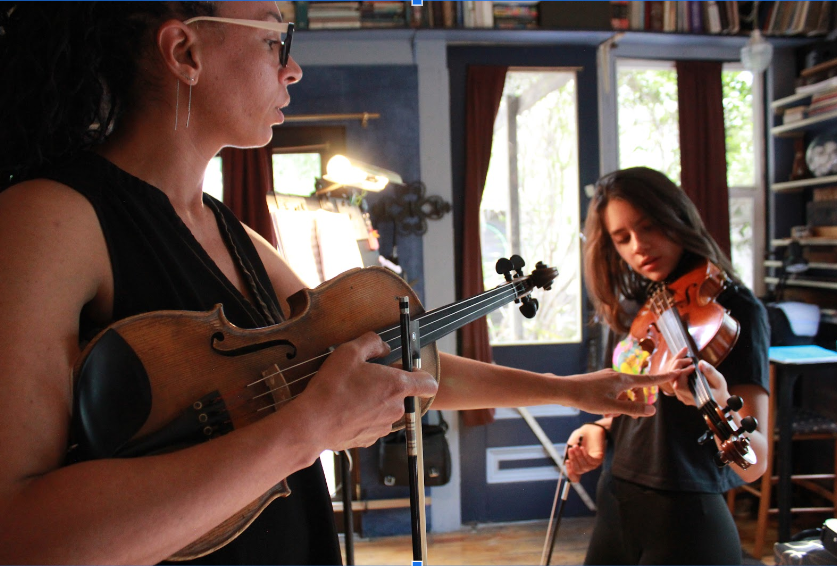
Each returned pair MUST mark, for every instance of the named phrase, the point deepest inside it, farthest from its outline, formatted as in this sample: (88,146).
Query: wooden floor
(513,543)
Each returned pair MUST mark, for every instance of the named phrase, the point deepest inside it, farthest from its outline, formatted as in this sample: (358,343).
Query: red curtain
(248,177)
(703,144)
(483,94)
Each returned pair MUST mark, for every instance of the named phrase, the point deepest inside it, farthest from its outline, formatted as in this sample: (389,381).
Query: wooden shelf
(778,105)
(811,265)
(796,128)
(809,283)
(794,186)
(780,242)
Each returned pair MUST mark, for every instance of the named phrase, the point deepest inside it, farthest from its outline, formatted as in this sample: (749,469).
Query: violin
(685,314)
(165,380)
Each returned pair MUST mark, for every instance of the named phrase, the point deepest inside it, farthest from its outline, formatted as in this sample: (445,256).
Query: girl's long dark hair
(68,71)
(607,277)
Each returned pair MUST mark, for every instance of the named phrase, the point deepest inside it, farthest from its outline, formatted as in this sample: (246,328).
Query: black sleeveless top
(158,265)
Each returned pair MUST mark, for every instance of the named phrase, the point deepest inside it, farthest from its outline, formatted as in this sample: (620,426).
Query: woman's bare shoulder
(51,236)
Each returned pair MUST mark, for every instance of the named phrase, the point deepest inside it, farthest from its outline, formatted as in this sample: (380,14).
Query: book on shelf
(711,17)
(823,96)
(515,15)
(483,14)
(825,193)
(805,17)
(794,114)
(822,109)
(817,87)
(654,15)
(636,15)
(335,23)
(620,18)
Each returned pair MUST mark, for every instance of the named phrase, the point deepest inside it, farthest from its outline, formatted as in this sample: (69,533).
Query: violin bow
(411,359)
(562,491)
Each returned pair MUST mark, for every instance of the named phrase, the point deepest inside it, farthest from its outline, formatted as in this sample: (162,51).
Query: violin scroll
(542,278)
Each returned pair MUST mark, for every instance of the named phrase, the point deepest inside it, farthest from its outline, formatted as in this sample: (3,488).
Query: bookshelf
(801,194)
(778,19)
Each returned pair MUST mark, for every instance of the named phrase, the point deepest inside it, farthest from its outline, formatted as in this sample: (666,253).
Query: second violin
(685,314)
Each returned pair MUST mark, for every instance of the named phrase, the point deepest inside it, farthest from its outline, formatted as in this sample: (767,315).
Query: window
(213,178)
(530,205)
(649,135)
(295,171)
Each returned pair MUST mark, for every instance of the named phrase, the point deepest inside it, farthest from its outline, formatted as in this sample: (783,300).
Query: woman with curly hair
(660,496)
(110,113)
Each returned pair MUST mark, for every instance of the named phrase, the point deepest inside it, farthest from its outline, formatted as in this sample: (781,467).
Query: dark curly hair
(607,277)
(69,70)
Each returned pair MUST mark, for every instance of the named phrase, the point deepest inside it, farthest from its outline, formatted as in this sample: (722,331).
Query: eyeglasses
(285,31)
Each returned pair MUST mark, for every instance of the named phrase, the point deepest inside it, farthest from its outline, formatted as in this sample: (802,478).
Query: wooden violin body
(711,327)
(164,380)
(685,314)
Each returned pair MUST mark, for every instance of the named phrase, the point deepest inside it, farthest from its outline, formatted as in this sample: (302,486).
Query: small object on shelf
(821,156)
(825,193)
(800,232)
(800,167)
(794,260)
(825,232)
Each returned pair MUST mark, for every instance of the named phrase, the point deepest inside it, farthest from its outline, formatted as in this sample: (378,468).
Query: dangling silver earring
(189,111)
(176,104)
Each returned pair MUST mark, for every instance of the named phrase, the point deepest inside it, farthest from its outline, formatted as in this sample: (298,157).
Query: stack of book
(333,15)
(383,14)
(684,17)
(822,102)
(794,114)
(799,18)
(516,15)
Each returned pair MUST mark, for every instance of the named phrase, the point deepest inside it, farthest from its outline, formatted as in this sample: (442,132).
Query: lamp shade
(757,53)
(350,172)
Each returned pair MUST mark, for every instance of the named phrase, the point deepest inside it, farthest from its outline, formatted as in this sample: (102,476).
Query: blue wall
(390,141)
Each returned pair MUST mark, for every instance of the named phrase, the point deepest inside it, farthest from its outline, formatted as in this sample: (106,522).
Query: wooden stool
(807,425)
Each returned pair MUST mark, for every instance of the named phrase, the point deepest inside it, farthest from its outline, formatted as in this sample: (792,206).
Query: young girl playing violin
(660,496)
(110,113)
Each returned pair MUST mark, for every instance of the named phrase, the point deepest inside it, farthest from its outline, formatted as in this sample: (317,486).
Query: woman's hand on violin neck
(676,363)
(601,392)
(354,403)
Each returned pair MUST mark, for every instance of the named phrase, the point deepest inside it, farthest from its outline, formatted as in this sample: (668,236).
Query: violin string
(312,374)
(674,335)
(495,296)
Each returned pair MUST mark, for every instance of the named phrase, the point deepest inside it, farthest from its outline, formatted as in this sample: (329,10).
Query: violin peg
(734,403)
(705,437)
(748,424)
(529,308)
(720,459)
(517,262)
(503,265)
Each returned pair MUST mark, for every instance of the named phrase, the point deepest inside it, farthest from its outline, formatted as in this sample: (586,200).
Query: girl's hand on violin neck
(601,392)
(715,379)
(354,403)
(586,450)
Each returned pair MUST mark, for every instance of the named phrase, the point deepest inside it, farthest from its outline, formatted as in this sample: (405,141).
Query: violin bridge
(276,386)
